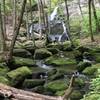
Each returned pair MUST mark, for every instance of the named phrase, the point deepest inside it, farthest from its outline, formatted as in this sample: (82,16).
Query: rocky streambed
(48,70)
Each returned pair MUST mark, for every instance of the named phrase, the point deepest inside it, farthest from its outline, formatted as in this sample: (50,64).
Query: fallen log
(17,94)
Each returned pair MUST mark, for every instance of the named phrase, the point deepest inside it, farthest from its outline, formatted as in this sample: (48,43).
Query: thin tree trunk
(31,10)
(2,32)
(95,16)
(4,19)
(80,9)
(14,16)
(40,21)
(68,24)
(17,31)
(90,20)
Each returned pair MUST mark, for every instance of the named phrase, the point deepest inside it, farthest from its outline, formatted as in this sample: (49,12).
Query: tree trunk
(68,24)
(2,32)
(95,16)
(17,31)
(90,20)
(4,19)
(14,16)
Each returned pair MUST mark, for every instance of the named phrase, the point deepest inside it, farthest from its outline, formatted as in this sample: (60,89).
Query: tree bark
(4,19)
(68,24)
(2,32)
(90,20)
(16,32)
(95,16)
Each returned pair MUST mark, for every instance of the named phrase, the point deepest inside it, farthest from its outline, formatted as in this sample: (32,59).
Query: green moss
(82,65)
(53,50)
(89,70)
(42,53)
(76,95)
(79,82)
(60,61)
(19,61)
(31,83)
(57,85)
(59,93)
(4,80)
(18,75)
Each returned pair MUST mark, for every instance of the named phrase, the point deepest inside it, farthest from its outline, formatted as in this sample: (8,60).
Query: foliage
(94,94)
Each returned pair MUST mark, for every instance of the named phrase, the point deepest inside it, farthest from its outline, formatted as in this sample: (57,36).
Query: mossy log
(16,94)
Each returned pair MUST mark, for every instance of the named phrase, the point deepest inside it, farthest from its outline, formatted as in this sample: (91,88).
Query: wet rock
(53,50)
(76,95)
(89,71)
(42,53)
(83,49)
(22,53)
(19,61)
(31,83)
(18,75)
(82,65)
(79,82)
(4,80)
(57,85)
(59,61)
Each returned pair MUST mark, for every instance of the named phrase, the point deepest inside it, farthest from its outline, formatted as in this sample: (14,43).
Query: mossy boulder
(56,61)
(4,80)
(31,83)
(58,75)
(79,82)
(22,53)
(83,49)
(89,71)
(82,65)
(42,53)
(19,61)
(78,55)
(76,95)
(52,72)
(57,85)
(3,69)
(18,75)
(53,50)
(60,93)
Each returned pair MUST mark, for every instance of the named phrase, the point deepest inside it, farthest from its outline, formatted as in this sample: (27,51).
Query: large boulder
(59,61)
(19,61)
(31,83)
(22,53)
(82,65)
(4,80)
(42,53)
(57,85)
(18,75)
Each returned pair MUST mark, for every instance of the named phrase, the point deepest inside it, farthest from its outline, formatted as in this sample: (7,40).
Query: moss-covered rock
(78,55)
(59,61)
(60,93)
(22,53)
(79,82)
(83,49)
(18,75)
(19,61)
(89,71)
(57,85)
(76,95)
(53,50)
(4,80)
(42,53)
(31,83)
(58,75)
(3,69)
(82,65)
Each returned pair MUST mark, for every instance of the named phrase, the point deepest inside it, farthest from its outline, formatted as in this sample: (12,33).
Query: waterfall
(53,14)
